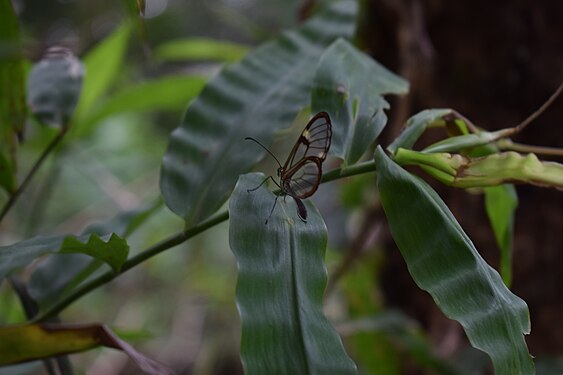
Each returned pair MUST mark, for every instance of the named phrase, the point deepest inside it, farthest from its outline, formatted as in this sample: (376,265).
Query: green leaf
(54,85)
(349,85)
(60,273)
(113,251)
(444,262)
(102,66)
(109,248)
(13,109)
(416,125)
(164,93)
(280,286)
(197,49)
(500,203)
(460,139)
(255,97)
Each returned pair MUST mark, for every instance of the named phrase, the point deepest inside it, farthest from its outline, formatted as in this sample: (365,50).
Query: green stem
(356,169)
(107,276)
(32,171)
(175,240)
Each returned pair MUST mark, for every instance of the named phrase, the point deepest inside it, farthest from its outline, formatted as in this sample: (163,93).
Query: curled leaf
(54,86)
(490,170)
(444,262)
(21,343)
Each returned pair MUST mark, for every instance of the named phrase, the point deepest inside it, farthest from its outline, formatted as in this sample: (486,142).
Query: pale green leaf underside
(280,286)
(443,261)
(255,97)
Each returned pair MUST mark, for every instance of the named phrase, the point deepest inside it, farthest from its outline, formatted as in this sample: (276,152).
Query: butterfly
(300,175)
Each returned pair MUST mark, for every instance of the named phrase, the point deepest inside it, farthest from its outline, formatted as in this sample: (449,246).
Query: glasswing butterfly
(301,173)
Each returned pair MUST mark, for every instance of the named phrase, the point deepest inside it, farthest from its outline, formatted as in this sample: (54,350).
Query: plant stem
(107,276)
(16,194)
(356,169)
(175,240)
(518,128)
(506,144)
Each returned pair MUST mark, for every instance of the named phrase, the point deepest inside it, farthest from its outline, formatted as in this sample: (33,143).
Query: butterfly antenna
(264,147)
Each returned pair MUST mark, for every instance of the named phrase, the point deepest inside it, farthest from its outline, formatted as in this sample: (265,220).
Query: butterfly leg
(272,210)
(262,183)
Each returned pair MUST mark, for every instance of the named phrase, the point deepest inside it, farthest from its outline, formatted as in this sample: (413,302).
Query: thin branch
(533,116)
(16,194)
(175,240)
(507,144)
(509,132)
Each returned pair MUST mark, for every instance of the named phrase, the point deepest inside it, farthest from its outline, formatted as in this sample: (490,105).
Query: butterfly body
(300,176)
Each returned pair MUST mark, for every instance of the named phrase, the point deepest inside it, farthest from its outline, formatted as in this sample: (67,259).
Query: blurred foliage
(110,162)
(141,73)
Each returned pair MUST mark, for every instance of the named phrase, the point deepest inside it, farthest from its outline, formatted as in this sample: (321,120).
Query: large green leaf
(443,261)
(109,248)
(280,286)
(349,85)
(12,93)
(255,97)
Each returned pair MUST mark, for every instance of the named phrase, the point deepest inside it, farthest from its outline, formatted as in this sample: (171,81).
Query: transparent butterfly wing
(302,180)
(313,142)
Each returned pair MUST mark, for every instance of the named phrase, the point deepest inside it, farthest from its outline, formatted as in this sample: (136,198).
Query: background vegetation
(495,67)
